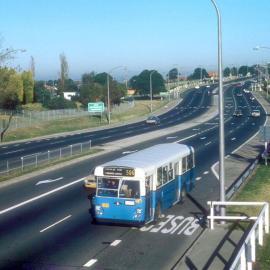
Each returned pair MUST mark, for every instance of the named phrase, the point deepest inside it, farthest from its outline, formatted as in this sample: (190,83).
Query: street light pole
(151,99)
(221,115)
(108,93)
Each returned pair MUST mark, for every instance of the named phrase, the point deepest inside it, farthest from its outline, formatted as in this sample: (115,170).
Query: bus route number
(118,171)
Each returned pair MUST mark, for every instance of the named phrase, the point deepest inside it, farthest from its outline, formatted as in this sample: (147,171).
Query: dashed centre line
(115,243)
(45,229)
(90,263)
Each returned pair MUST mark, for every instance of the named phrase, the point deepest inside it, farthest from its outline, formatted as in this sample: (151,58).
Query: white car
(255,113)
(246,91)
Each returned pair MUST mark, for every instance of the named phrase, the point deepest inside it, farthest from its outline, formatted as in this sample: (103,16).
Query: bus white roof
(152,157)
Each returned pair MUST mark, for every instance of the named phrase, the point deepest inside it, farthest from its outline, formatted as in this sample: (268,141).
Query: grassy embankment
(257,189)
(141,108)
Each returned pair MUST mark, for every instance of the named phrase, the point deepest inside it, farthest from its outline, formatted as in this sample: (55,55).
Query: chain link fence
(24,118)
(33,161)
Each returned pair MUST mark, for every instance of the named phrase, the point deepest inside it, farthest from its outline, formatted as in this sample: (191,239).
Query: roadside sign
(96,107)
(163,94)
(265,133)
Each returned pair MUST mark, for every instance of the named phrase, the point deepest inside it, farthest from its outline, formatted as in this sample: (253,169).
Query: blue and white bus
(136,188)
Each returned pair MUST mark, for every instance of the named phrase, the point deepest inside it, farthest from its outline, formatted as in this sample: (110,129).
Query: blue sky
(153,34)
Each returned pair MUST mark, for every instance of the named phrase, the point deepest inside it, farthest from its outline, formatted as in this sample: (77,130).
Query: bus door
(148,197)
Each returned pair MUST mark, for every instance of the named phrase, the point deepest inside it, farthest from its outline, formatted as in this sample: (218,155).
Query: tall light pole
(108,93)
(221,115)
(151,98)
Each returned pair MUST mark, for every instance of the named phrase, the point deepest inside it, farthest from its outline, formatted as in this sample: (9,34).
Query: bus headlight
(99,210)
(138,213)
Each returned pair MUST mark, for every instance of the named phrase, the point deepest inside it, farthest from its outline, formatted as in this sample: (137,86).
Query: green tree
(11,88)
(28,87)
(227,72)
(63,73)
(41,95)
(243,70)
(234,71)
(141,82)
(198,74)
(101,78)
(173,74)
(90,91)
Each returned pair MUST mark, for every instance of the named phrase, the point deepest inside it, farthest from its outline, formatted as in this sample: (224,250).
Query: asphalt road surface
(47,226)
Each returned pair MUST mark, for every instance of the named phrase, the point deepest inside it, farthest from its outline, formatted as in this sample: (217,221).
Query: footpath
(214,248)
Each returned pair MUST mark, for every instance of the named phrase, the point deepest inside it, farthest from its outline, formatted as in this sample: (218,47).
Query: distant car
(197,87)
(256,113)
(90,182)
(238,113)
(246,91)
(152,120)
(239,94)
(207,86)
(252,98)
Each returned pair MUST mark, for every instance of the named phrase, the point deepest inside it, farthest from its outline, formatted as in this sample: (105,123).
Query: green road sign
(96,107)
(163,94)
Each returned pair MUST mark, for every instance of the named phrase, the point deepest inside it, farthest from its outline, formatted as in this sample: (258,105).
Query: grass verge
(29,169)
(42,128)
(257,189)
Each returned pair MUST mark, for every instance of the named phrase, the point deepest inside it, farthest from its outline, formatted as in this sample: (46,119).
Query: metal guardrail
(246,254)
(34,160)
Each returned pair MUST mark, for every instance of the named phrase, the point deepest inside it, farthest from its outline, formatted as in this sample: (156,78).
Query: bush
(33,107)
(61,103)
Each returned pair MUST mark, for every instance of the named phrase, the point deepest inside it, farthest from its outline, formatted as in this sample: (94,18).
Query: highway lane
(194,103)
(75,241)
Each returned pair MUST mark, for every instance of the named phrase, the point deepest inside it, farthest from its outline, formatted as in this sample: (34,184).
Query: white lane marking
(128,152)
(4,147)
(233,139)
(206,172)
(171,137)
(45,229)
(107,137)
(57,142)
(207,143)
(213,170)
(115,243)
(40,196)
(203,138)
(90,263)
(198,178)
(191,136)
(48,181)
(195,129)
(11,152)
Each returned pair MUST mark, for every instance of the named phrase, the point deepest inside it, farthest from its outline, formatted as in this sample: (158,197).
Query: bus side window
(170,172)
(176,168)
(165,174)
(184,164)
(159,176)
(190,161)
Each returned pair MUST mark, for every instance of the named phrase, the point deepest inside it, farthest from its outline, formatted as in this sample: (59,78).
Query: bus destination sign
(119,171)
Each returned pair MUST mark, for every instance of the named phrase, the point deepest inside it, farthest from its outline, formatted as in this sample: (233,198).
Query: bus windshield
(107,187)
(130,189)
